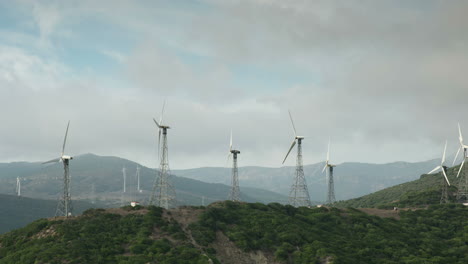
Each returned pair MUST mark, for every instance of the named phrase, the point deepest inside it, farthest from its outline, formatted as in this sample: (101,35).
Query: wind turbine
(331,188)
(445,183)
(18,186)
(163,194)
(234,195)
(138,179)
(463,181)
(299,194)
(64,207)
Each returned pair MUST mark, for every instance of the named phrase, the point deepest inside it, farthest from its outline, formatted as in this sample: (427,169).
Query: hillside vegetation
(241,233)
(424,191)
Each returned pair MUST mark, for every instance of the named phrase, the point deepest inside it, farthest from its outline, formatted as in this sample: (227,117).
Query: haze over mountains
(257,183)
(105,173)
(351,179)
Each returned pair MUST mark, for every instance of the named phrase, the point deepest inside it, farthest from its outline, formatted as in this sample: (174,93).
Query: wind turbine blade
(52,161)
(292,146)
(445,175)
(324,168)
(434,170)
(230,142)
(460,137)
(292,122)
(328,152)
(228,159)
(456,156)
(445,149)
(65,139)
(156,122)
(162,113)
(159,144)
(461,166)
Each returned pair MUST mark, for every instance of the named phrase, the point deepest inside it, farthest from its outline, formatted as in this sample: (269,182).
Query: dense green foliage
(421,192)
(301,235)
(100,237)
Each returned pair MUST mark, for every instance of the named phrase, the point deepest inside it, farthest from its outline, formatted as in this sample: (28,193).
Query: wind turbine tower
(445,182)
(299,194)
(163,194)
(138,179)
(331,188)
(124,173)
(462,193)
(234,195)
(18,186)
(64,207)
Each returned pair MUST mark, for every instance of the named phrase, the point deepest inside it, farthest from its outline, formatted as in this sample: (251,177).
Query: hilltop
(241,233)
(421,192)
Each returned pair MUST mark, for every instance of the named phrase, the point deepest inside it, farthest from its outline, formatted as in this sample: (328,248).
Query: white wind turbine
(299,193)
(446,183)
(234,195)
(64,207)
(330,182)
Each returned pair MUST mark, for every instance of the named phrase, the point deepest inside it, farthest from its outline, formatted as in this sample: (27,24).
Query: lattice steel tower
(445,184)
(64,207)
(299,194)
(163,194)
(234,194)
(462,192)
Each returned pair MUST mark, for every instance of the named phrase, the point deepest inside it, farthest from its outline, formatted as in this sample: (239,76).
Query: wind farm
(171,126)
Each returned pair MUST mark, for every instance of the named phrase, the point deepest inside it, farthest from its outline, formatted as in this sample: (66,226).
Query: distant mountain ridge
(105,174)
(351,179)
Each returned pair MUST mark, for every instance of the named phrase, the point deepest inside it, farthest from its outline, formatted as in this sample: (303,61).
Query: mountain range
(351,179)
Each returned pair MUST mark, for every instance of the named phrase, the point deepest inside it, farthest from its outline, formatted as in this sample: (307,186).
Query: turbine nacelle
(65,157)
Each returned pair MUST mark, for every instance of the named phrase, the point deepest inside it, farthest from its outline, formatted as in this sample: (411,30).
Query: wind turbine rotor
(65,139)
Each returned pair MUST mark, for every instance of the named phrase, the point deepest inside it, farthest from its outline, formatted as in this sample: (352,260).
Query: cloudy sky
(385,80)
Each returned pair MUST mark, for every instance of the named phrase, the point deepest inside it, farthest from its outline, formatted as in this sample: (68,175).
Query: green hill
(424,191)
(105,174)
(241,233)
(17,211)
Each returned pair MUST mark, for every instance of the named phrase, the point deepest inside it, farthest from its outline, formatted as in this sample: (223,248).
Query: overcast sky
(385,80)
